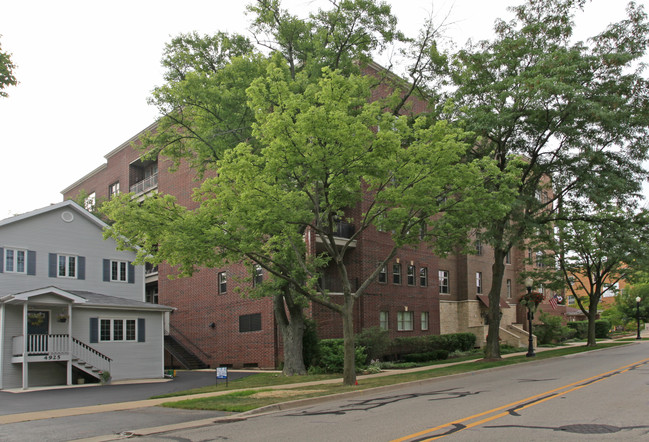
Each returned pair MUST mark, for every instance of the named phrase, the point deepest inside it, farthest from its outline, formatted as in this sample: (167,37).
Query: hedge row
(602,327)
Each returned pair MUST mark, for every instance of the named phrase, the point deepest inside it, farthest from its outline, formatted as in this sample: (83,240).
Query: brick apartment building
(418,293)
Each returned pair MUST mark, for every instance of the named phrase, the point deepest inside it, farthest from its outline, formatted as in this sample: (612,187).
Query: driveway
(95,394)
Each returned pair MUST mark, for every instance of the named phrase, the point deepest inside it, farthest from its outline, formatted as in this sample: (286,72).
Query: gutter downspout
(69,364)
(2,341)
(25,338)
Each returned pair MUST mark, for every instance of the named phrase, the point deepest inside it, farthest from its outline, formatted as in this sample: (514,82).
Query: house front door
(38,327)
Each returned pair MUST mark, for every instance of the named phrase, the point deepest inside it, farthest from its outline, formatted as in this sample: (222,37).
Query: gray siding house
(71,305)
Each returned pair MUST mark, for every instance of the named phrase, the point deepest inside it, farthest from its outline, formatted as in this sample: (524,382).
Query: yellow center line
(543,397)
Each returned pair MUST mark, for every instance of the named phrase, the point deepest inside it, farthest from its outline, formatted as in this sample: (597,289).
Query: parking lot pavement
(19,401)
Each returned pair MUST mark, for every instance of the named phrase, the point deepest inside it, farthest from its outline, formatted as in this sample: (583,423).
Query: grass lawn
(253,392)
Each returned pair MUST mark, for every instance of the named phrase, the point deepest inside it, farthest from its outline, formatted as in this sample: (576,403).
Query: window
(509,289)
(443,282)
(383,275)
(404,321)
(411,275)
(424,320)
(539,259)
(508,257)
(478,247)
(15,261)
(384,323)
(117,330)
(89,202)
(396,273)
(67,266)
(423,276)
(113,190)
(118,271)
(478,282)
(250,323)
(258,276)
(223,283)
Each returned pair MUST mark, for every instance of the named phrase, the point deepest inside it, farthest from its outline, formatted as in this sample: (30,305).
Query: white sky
(86,69)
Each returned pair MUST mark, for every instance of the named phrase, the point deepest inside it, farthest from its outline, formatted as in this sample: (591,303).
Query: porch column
(2,340)
(25,338)
(69,364)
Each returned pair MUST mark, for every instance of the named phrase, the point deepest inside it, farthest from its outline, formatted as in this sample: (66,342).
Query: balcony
(145,185)
(332,283)
(342,232)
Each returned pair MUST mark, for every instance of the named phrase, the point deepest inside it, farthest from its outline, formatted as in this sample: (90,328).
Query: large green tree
(597,253)
(205,114)
(555,110)
(321,150)
(7,68)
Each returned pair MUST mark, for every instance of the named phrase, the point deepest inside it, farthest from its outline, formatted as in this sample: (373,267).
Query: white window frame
(443,276)
(222,280)
(258,275)
(384,320)
(423,276)
(113,190)
(112,322)
(478,282)
(424,321)
(396,273)
(383,275)
(14,260)
(405,321)
(410,275)
(121,273)
(509,289)
(66,267)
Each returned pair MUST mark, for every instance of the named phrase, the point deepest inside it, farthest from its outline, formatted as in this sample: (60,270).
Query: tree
(205,114)
(625,302)
(322,150)
(597,253)
(561,115)
(7,67)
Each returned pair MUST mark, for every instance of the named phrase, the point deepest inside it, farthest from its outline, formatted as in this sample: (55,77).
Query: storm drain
(589,429)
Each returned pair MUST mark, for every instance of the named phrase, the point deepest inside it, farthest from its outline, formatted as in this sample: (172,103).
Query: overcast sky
(86,69)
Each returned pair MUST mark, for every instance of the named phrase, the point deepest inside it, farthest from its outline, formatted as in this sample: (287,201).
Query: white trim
(71,205)
(24,296)
(2,340)
(14,260)
(112,329)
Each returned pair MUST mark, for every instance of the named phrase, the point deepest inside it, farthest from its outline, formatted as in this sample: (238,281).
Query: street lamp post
(530,316)
(637,314)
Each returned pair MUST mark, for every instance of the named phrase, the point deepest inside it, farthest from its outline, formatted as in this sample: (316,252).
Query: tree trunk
(592,317)
(349,370)
(292,329)
(492,349)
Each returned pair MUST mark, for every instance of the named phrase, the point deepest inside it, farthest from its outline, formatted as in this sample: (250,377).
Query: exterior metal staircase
(181,354)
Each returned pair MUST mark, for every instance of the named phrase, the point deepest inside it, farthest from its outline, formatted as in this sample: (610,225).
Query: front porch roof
(25,296)
(79,298)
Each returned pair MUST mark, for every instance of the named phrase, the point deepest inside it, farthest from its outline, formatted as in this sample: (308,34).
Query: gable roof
(81,298)
(69,204)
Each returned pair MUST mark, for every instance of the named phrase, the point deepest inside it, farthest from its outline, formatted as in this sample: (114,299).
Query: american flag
(554,302)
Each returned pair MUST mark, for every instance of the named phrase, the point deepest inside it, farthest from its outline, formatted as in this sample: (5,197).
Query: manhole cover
(589,429)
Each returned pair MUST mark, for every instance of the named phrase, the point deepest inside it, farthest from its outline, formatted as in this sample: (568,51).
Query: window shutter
(94,330)
(52,266)
(81,267)
(31,262)
(106,270)
(2,259)
(131,273)
(141,332)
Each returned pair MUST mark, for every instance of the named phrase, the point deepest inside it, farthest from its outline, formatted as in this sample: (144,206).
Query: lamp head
(529,282)
(638,299)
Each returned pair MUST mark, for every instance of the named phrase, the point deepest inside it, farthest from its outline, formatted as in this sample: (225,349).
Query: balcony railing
(344,230)
(145,184)
(150,269)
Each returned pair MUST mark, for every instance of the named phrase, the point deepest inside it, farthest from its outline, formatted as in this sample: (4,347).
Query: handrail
(186,339)
(91,356)
(144,185)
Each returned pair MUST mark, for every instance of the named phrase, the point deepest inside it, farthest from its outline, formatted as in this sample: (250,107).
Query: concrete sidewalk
(130,405)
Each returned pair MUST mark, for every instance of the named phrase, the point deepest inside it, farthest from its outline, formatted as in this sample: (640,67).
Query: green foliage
(427,356)
(332,356)
(602,328)
(7,67)
(430,343)
(375,341)
(552,331)
(625,302)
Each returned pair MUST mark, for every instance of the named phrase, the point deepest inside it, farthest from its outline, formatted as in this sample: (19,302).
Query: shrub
(434,355)
(551,331)
(580,328)
(375,341)
(332,356)
(424,344)
(602,327)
